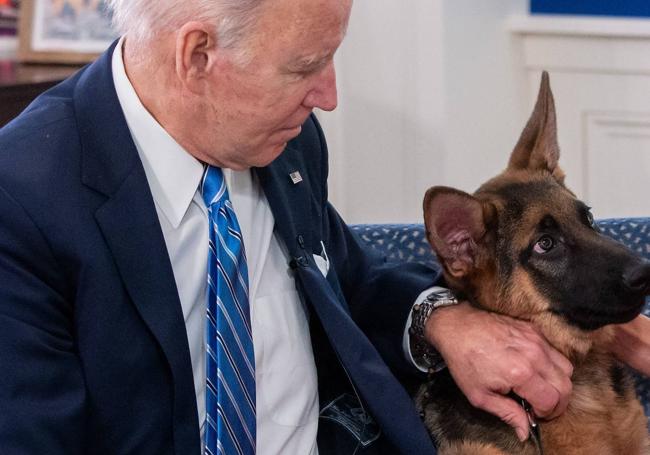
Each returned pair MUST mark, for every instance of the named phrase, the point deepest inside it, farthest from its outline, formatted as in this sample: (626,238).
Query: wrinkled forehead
(282,18)
(300,29)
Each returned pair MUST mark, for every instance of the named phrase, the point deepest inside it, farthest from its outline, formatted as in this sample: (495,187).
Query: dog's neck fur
(575,344)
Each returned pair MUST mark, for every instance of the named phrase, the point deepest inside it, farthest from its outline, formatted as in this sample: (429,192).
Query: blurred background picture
(63,31)
(8,17)
(75,25)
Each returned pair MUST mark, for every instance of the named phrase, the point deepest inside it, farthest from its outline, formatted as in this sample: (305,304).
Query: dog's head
(525,246)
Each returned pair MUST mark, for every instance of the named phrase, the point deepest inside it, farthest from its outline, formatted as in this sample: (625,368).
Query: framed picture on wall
(8,17)
(63,31)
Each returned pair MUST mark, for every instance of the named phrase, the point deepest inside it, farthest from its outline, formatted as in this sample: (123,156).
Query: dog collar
(534,427)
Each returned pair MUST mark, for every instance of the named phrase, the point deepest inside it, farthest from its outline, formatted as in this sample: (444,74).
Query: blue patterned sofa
(407,243)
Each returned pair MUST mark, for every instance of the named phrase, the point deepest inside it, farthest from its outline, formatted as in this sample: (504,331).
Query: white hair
(142,20)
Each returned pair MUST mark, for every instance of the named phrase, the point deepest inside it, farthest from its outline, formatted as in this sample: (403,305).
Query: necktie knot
(213,186)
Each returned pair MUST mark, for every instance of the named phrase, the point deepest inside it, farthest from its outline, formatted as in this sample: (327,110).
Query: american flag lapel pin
(296,178)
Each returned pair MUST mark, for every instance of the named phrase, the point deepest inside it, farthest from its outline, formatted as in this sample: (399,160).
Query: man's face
(255,108)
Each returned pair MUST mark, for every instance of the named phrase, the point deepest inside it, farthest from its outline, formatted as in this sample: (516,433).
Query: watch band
(423,353)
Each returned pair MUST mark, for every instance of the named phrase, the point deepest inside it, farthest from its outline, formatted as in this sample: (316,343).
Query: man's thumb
(510,412)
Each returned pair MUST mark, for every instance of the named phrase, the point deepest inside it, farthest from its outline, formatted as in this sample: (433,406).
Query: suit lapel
(290,202)
(382,393)
(129,222)
(295,218)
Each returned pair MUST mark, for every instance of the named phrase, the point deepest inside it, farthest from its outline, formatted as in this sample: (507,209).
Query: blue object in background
(629,8)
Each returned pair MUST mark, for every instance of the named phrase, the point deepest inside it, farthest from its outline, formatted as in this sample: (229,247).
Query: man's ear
(195,54)
(455,225)
(537,148)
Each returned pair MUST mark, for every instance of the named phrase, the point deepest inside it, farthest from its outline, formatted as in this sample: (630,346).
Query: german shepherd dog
(524,246)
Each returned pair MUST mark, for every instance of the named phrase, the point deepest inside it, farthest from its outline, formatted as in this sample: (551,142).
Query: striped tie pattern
(230,362)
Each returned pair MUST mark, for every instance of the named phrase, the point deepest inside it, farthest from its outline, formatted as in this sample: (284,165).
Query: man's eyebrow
(310,61)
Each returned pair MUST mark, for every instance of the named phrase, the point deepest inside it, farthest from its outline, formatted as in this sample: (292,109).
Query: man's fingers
(541,353)
(560,361)
(558,375)
(564,387)
(546,384)
(541,395)
(507,410)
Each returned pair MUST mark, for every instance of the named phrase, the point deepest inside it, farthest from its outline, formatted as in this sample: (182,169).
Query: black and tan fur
(523,245)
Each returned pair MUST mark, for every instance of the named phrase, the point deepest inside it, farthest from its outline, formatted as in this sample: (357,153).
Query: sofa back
(407,242)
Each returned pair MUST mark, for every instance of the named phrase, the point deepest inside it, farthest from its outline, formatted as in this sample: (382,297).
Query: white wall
(436,92)
(485,92)
(385,137)
(427,95)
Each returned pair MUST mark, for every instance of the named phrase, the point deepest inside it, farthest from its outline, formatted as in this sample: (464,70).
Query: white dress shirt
(285,373)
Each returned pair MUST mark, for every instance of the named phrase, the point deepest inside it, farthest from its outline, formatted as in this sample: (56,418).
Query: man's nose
(323,95)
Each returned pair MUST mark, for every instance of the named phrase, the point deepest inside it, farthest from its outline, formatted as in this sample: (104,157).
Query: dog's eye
(544,244)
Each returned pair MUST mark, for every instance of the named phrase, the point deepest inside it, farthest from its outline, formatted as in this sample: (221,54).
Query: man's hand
(490,355)
(631,344)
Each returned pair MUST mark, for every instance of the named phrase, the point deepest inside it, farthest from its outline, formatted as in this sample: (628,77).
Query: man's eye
(545,244)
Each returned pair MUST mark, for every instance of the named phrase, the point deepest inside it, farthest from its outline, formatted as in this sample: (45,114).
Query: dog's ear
(537,148)
(455,225)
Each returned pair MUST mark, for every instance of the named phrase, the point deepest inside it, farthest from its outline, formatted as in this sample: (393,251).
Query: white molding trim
(582,44)
(578,26)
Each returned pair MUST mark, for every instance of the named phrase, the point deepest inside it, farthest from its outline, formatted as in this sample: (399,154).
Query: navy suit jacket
(93,347)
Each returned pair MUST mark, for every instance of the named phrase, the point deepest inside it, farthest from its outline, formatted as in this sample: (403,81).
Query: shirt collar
(172,173)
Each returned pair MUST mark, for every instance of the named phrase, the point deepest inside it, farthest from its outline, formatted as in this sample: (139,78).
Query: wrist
(445,322)
(423,354)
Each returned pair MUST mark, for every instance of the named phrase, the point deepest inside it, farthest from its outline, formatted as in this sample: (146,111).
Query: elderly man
(174,279)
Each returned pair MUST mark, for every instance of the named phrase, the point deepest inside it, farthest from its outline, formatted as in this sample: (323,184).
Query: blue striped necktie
(230,362)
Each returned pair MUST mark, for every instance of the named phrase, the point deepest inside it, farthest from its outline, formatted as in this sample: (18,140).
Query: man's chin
(267,157)
(294,132)
(286,134)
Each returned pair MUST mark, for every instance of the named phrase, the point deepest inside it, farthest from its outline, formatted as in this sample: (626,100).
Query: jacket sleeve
(42,396)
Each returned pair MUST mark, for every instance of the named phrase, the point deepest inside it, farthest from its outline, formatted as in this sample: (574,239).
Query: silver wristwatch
(423,353)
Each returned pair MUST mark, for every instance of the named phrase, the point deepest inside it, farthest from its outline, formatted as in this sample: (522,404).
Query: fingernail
(521,434)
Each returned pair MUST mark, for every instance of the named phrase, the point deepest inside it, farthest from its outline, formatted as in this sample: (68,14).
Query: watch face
(441,294)
(443,297)
(421,312)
